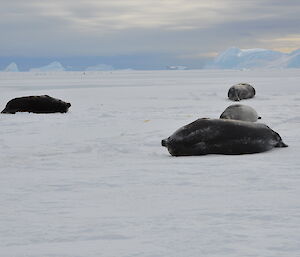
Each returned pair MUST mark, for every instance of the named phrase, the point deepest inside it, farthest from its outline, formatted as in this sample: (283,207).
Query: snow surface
(235,58)
(96,182)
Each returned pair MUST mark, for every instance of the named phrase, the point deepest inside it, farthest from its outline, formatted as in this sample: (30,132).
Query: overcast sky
(183,28)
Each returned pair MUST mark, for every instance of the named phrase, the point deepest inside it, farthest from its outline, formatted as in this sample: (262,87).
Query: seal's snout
(164,142)
(69,105)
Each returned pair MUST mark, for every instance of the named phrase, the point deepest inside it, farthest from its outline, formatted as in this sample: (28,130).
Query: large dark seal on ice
(240,112)
(241,91)
(218,136)
(36,104)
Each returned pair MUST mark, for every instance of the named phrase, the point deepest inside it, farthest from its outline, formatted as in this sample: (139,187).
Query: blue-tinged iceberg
(13,67)
(100,67)
(177,67)
(54,66)
(235,58)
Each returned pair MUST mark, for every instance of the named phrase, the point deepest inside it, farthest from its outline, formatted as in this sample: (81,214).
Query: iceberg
(53,66)
(177,67)
(100,67)
(294,60)
(13,67)
(235,58)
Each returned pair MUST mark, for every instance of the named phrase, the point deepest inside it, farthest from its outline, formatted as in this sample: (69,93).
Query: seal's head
(240,112)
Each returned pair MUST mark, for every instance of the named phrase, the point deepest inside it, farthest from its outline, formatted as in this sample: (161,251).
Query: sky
(187,30)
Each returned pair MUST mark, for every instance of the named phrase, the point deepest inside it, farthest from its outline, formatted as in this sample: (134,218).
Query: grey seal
(36,104)
(241,91)
(240,112)
(220,136)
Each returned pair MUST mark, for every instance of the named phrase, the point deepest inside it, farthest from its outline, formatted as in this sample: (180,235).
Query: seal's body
(36,104)
(240,112)
(241,91)
(218,136)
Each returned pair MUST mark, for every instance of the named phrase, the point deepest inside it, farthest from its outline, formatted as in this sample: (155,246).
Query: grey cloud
(180,27)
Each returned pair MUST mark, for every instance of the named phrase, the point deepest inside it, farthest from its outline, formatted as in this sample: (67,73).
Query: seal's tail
(5,111)
(279,141)
(164,142)
(281,144)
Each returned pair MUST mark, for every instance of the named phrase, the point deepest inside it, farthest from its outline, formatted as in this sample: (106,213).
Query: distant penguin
(241,91)
(240,112)
(36,104)
(221,136)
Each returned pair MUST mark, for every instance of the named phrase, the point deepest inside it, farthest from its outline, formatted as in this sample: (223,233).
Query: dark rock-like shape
(218,136)
(240,112)
(241,91)
(36,104)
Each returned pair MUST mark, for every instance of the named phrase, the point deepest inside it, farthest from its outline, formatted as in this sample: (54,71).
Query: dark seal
(218,136)
(240,112)
(241,91)
(36,104)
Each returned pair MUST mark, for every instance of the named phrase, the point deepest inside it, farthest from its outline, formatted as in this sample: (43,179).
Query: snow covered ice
(96,181)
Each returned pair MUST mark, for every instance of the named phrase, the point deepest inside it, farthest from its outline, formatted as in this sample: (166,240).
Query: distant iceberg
(177,67)
(13,67)
(235,58)
(293,60)
(100,67)
(53,66)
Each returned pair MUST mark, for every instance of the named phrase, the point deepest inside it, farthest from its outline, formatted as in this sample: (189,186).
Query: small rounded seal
(219,136)
(240,112)
(241,91)
(36,104)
